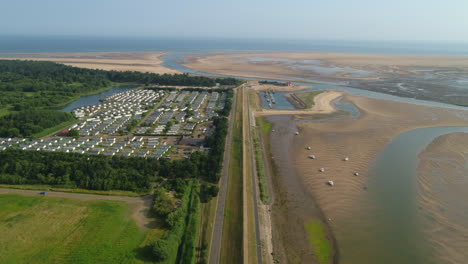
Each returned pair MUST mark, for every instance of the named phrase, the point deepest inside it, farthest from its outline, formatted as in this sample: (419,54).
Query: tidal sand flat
(337,65)
(434,78)
(136,61)
(348,206)
(442,196)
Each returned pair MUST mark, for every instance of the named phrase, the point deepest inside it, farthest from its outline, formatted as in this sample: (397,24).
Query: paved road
(253,174)
(215,248)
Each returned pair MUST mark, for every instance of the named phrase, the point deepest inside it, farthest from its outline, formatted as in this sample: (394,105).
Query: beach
(117,61)
(305,193)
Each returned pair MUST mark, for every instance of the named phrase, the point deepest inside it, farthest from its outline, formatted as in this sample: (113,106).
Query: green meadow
(61,230)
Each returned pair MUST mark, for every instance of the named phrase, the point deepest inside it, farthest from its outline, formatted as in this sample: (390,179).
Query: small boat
(331,183)
(322,170)
(309,148)
(311,156)
(356,174)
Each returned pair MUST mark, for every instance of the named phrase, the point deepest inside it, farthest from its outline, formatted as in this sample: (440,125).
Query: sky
(399,20)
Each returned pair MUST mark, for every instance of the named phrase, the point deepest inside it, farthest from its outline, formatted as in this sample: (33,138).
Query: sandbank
(143,62)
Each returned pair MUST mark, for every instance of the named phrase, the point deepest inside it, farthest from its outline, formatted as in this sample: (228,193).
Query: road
(248,124)
(140,205)
(215,248)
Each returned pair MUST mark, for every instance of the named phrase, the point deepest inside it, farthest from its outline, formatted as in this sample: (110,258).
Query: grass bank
(264,125)
(265,128)
(62,230)
(232,239)
(70,190)
(319,242)
(206,229)
(308,98)
(54,129)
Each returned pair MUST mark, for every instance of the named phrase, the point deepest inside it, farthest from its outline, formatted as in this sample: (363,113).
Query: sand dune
(144,62)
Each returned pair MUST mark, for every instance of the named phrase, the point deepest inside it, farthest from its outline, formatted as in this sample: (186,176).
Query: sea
(34,44)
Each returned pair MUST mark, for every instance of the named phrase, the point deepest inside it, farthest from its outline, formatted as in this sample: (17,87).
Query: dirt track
(140,205)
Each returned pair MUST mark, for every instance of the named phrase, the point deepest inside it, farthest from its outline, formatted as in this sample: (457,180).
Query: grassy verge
(206,229)
(62,230)
(54,129)
(264,196)
(254,100)
(319,242)
(252,239)
(249,186)
(189,242)
(264,125)
(231,250)
(265,128)
(308,98)
(69,190)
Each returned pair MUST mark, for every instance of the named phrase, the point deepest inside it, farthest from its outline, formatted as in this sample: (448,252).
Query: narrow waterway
(387,227)
(95,98)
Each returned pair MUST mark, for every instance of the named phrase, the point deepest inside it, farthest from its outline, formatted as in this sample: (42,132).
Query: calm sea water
(19,44)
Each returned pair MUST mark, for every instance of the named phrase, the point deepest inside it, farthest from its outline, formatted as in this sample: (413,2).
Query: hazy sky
(442,20)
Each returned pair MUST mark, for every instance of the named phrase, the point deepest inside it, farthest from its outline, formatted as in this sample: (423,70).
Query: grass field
(308,98)
(60,230)
(319,242)
(231,250)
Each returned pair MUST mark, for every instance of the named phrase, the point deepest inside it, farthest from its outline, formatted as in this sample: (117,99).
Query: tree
(163,205)
(160,250)
(73,133)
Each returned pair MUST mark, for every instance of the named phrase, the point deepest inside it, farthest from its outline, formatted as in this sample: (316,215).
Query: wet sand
(298,177)
(286,66)
(443,182)
(137,61)
(293,205)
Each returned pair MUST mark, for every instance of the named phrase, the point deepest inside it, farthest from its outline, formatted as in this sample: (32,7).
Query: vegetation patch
(265,126)
(307,98)
(318,241)
(264,196)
